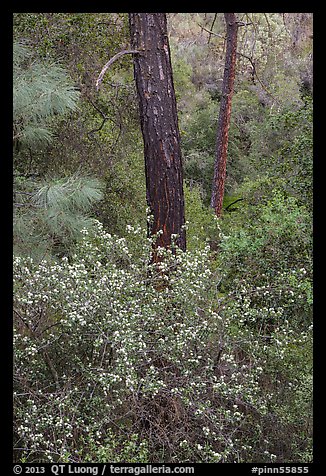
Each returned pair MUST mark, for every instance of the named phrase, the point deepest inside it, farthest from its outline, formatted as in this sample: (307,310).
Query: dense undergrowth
(208,359)
(189,373)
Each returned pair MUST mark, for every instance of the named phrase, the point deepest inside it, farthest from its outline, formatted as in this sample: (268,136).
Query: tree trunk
(225,114)
(159,125)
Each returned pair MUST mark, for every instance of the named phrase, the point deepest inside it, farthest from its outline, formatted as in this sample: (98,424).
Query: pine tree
(225,114)
(49,212)
(159,124)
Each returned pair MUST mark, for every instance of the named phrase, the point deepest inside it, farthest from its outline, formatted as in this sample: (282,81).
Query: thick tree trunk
(159,124)
(225,114)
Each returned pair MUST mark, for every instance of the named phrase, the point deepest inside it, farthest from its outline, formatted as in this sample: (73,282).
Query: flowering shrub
(266,280)
(109,366)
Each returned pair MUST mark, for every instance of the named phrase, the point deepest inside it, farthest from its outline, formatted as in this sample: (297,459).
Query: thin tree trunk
(225,114)
(159,124)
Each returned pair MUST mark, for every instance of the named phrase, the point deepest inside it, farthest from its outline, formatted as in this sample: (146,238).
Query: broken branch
(108,64)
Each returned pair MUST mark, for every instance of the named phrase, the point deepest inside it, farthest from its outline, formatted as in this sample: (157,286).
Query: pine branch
(41,91)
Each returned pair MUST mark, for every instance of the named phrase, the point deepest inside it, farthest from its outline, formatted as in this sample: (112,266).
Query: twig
(248,58)
(51,367)
(23,205)
(108,64)
(104,119)
(255,34)
(255,73)
(242,23)
(238,200)
(22,319)
(268,24)
(209,38)
(44,353)
(211,32)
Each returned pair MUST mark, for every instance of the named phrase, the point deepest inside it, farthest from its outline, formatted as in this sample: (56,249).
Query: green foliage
(41,91)
(282,148)
(202,224)
(49,212)
(109,149)
(67,194)
(266,239)
(246,112)
(265,258)
(208,356)
(199,133)
(116,449)
(280,48)
(182,73)
(124,194)
(122,349)
(198,144)
(104,352)
(50,216)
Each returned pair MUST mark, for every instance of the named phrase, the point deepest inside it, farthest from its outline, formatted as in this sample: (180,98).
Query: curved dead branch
(108,64)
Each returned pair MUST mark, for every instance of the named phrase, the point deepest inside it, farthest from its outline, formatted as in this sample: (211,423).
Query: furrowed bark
(159,125)
(225,114)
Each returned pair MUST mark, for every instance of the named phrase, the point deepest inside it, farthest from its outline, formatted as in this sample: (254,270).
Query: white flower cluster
(97,343)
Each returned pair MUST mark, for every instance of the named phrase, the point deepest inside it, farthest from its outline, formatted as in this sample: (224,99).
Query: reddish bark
(225,114)
(159,124)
